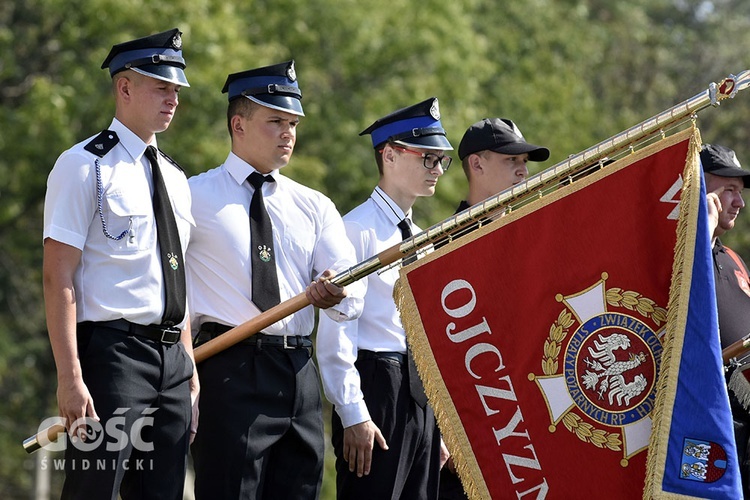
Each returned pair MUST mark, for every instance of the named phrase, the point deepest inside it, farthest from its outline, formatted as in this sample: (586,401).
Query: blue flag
(701,458)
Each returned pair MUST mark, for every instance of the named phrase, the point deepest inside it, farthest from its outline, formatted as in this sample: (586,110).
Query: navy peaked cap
(272,86)
(418,125)
(158,56)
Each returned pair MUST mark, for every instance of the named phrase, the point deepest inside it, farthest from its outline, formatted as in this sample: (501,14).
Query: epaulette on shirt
(102,143)
(170,160)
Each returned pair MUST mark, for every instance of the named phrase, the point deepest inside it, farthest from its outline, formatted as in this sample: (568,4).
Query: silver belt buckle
(286,344)
(170,330)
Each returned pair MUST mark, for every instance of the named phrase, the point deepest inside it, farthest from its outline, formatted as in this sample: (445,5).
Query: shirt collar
(133,144)
(718,247)
(389,207)
(239,169)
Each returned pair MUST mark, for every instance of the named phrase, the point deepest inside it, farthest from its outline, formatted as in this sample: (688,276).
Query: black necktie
(416,389)
(405,228)
(170,250)
(262,258)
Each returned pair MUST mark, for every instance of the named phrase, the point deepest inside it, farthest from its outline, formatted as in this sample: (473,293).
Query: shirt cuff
(347,310)
(353,413)
(64,236)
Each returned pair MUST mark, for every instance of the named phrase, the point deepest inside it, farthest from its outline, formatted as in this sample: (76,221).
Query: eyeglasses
(430,160)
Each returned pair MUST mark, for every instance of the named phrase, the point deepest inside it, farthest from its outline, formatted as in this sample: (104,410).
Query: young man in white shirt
(260,239)
(116,224)
(384,434)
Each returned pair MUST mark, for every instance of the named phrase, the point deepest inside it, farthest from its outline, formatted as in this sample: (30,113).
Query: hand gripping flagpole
(523,192)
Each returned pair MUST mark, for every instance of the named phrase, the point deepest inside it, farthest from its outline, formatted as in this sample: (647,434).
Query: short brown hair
(240,106)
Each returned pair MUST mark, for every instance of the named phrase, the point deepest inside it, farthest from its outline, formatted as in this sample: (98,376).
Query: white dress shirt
(308,235)
(115,278)
(372,228)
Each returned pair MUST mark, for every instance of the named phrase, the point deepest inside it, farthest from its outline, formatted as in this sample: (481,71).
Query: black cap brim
(732,172)
(536,153)
(280,102)
(165,72)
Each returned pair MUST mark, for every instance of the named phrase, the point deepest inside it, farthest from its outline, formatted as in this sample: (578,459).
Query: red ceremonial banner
(539,335)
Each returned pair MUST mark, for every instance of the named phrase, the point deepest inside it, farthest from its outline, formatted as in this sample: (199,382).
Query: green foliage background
(570,73)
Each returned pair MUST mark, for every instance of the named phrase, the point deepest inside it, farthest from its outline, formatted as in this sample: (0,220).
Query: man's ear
(389,154)
(123,87)
(475,164)
(238,125)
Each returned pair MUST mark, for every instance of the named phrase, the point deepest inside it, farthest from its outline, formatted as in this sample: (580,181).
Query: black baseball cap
(501,136)
(722,161)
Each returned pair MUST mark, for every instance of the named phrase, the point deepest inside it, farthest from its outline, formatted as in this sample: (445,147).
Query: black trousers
(741,421)
(450,486)
(260,430)
(742,441)
(410,468)
(141,393)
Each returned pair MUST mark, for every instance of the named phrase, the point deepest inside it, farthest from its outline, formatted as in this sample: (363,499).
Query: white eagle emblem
(608,372)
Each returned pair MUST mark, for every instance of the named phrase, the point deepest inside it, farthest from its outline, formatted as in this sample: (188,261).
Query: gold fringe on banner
(672,344)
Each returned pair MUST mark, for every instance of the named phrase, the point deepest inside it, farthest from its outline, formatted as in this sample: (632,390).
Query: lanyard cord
(99,197)
(377,191)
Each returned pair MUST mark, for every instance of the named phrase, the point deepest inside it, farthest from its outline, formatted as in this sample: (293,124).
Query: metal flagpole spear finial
(531,188)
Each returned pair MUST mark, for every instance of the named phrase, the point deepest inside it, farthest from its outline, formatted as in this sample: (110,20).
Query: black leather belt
(212,330)
(160,333)
(395,356)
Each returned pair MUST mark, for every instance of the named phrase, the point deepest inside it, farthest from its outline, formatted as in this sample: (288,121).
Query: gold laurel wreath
(616,297)
(590,434)
(634,301)
(557,333)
